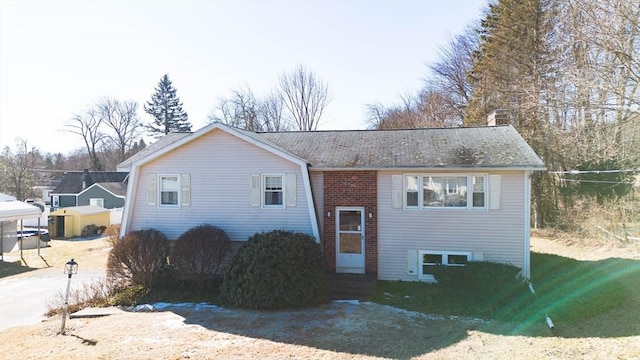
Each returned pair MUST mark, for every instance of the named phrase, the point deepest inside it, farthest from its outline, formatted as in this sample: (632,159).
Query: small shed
(68,222)
(11,211)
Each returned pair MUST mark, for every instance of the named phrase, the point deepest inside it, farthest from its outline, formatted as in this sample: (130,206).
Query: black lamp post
(70,268)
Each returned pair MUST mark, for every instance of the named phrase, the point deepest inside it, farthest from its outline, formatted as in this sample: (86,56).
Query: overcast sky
(59,57)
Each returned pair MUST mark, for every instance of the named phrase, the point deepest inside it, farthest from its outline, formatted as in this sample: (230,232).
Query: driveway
(24,299)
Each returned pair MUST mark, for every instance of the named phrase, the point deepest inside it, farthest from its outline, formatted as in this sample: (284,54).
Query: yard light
(70,268)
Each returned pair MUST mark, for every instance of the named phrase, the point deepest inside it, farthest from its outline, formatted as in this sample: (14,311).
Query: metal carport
(14,210)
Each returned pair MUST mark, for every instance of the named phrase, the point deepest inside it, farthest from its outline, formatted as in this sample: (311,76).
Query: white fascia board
(101,187)
(229,130)
(311,206)
(526,269)
(128,200)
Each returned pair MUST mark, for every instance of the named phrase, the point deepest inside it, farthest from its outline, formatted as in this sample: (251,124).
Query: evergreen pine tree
(166,109)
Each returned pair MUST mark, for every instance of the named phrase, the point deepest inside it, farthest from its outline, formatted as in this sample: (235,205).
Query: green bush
(198,254)
(273,270)
(138,258)
(129,296)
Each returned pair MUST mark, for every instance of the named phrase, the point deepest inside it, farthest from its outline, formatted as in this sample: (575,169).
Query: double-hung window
(445,191)
(96,202)
(169,190)
(273,191)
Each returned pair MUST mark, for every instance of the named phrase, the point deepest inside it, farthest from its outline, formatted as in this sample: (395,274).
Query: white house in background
(386,202)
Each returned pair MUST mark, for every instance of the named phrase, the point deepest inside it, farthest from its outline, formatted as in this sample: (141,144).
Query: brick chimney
(498,117)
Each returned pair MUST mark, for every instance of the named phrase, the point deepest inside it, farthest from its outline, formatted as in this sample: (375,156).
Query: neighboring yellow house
(68,222)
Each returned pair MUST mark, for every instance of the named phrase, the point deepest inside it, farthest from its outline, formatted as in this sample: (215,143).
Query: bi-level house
(386,202)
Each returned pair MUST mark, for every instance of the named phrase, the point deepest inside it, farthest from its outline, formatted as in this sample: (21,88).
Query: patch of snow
(163,305)
(143,307)
(352,302)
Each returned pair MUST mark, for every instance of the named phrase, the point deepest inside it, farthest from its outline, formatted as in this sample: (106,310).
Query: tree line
(567,75)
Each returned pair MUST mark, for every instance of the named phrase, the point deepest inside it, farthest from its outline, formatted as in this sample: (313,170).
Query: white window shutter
(412,262)
(152,189)
(255,190)
(495,191)
(396,191)
(291,190)
(185,190)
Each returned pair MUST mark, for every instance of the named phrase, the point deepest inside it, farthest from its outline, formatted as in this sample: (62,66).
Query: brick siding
(355,189)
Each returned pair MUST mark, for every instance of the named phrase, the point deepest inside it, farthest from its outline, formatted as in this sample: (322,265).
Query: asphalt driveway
(23,299)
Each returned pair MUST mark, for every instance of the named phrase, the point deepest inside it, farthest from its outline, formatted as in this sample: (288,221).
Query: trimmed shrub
(89,230)
(274,270)
(198,254)
(138,258)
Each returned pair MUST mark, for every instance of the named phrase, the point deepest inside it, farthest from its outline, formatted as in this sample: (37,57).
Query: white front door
(350,240)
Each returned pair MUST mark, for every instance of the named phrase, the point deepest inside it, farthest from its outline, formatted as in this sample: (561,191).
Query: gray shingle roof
(116,188)
(470,147)
(71,183)
(497,146)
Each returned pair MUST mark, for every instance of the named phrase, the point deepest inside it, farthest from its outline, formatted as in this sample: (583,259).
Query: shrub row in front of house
(276,269)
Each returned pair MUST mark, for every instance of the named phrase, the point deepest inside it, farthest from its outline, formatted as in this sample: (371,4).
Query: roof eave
(432,168)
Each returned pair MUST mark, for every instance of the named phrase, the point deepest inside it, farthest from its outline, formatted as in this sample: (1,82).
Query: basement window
(429,258)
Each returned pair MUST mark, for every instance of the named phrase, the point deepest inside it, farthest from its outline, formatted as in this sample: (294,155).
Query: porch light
(70,268)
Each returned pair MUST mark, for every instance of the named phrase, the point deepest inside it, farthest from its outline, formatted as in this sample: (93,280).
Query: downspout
(527,225)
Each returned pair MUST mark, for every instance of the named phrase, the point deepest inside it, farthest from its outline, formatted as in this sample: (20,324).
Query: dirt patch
(90,253)
(586,249)
(336,331)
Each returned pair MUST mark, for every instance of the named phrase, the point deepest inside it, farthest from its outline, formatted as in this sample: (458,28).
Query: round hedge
(274,270)
(138,258)
(199,252)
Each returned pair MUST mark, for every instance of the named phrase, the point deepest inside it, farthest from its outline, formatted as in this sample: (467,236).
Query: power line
(599,181)
(577,172)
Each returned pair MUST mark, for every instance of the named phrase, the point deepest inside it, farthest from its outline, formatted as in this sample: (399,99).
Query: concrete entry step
(96,312)
(351,286)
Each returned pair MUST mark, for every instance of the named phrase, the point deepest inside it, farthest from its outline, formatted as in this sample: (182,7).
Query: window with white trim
(97,202)
(445,191)
(169,190)
(273,191)
(429,258)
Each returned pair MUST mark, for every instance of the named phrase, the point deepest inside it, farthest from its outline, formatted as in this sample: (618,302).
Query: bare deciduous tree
(88,126)
(241,110)
(271,113)
(429,109)
(17,173)
(121,118)
(305,97)
(449,75)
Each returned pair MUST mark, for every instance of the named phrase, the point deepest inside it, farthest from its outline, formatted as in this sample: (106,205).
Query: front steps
(351,286)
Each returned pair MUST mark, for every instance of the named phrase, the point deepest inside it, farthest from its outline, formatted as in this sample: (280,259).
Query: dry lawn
(334,331)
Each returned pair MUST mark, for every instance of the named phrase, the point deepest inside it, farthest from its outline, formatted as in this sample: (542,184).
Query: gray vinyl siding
(317,186)
(110,201)
(220,166)
(67,200)
(497,234)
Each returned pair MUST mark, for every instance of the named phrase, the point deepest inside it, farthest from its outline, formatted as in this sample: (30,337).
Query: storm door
(350,240)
